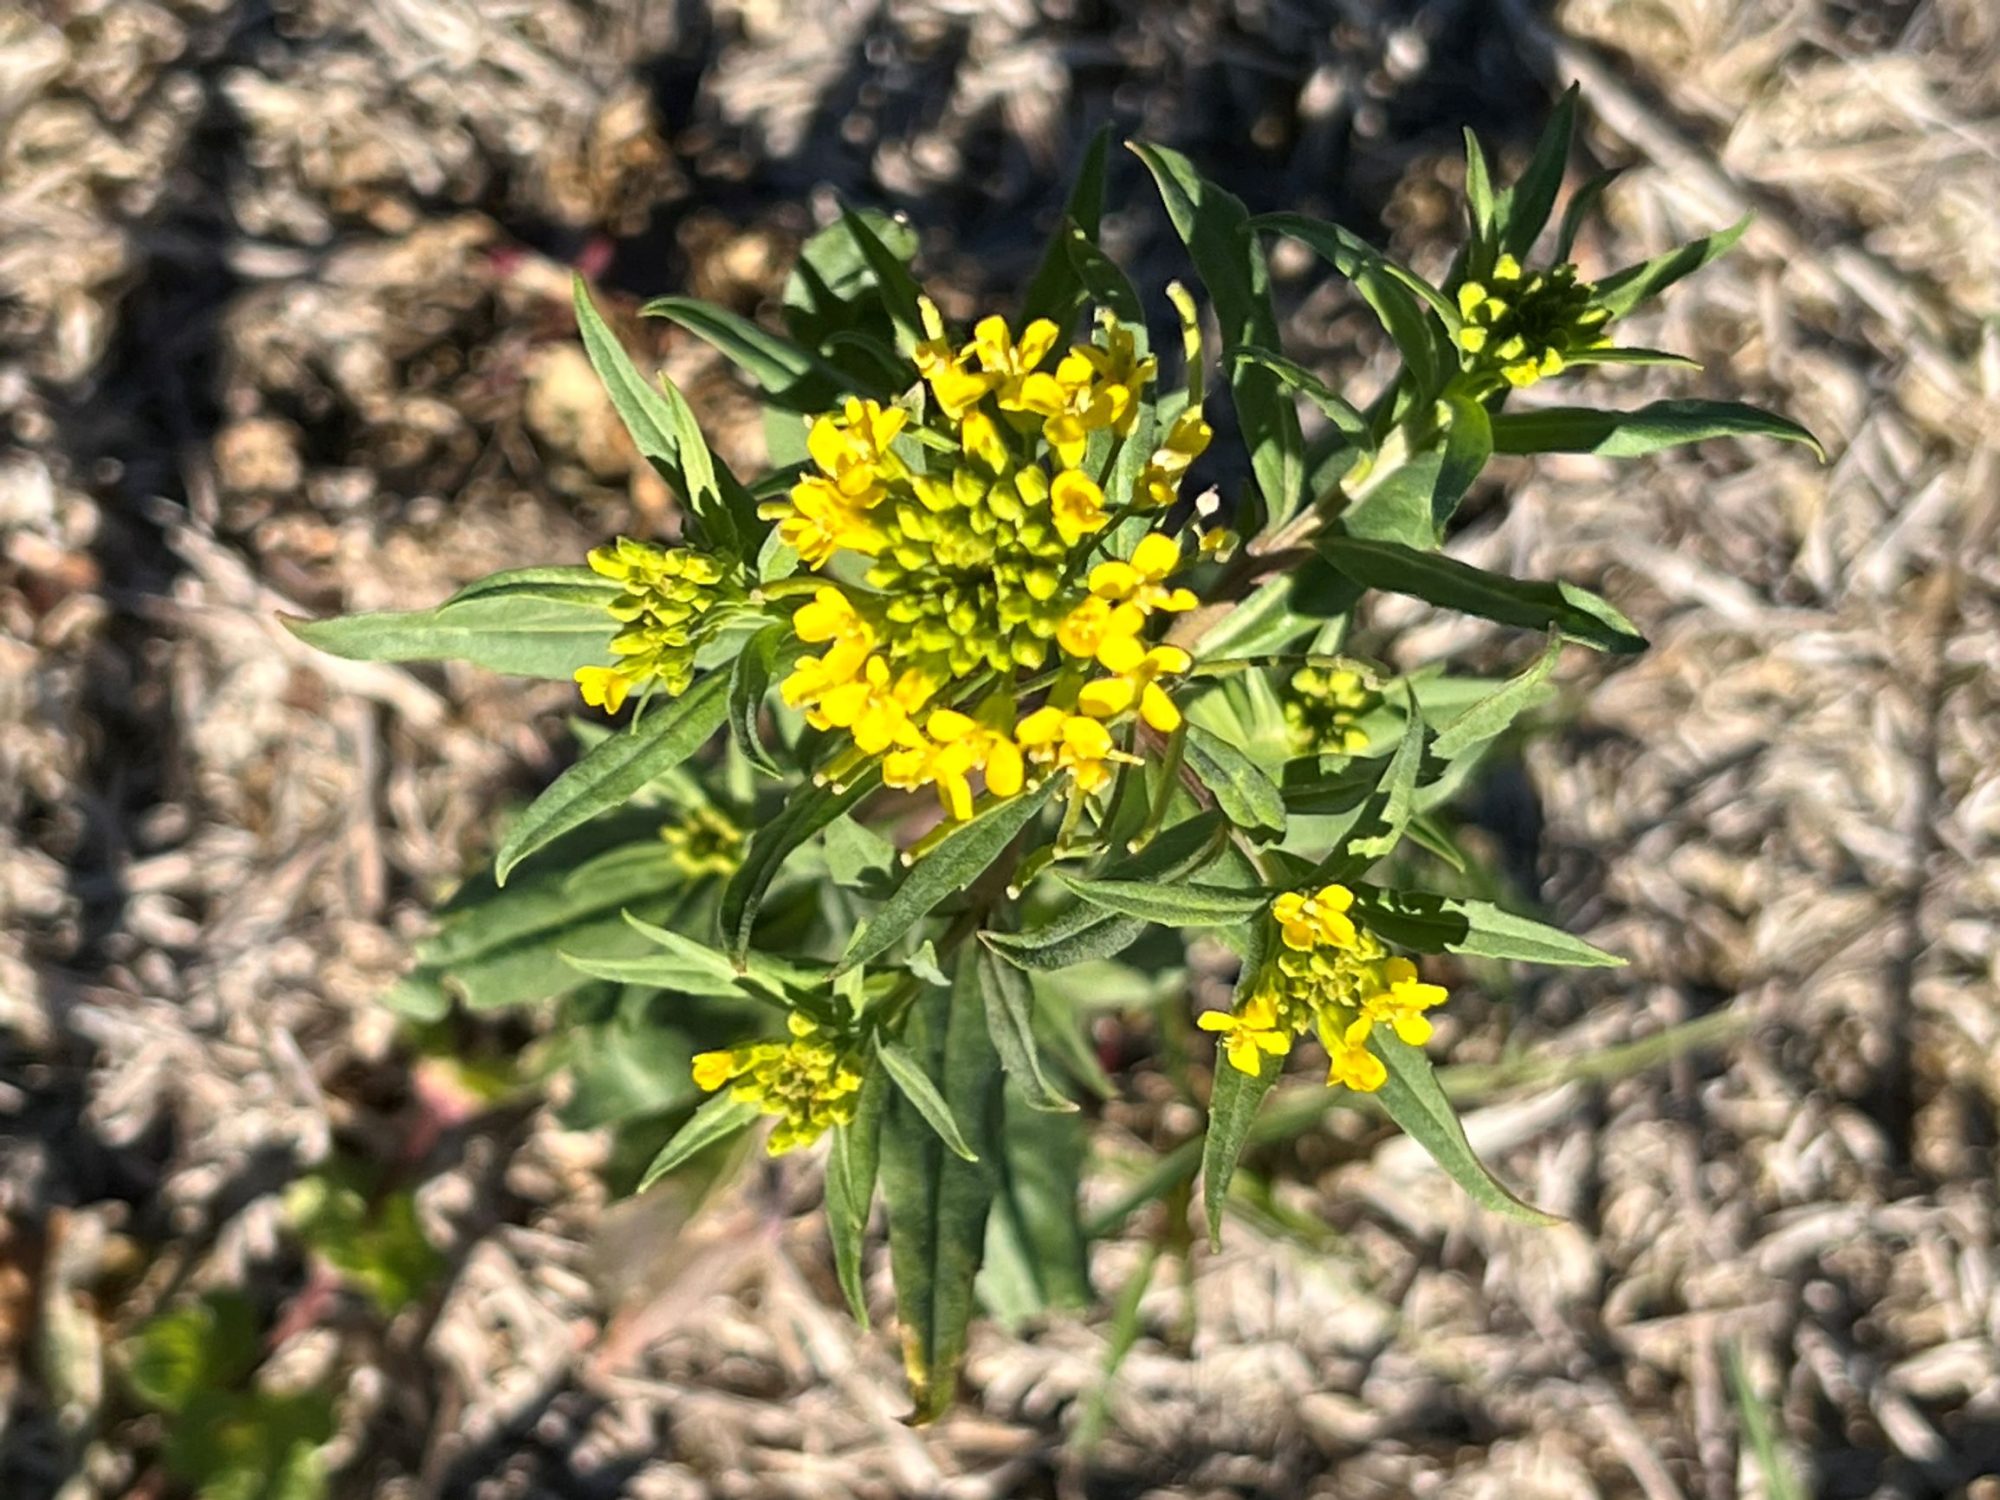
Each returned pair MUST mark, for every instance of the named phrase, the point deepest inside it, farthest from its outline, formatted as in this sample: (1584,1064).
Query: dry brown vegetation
(283,328)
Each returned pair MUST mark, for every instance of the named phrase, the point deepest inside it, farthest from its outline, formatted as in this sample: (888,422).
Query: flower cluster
(1322,707)
(1331,976)
(672,599)
(977,639)
(1526,325)
(704,842)
(810,1082)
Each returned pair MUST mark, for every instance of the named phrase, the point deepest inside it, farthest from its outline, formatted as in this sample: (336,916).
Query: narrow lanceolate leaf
(792,377)
(1056,291)
(749,680)
(1170,902)
(1624,290)
(937,1202)
(1632,434)
(1426,923)
(1579,207)
(558,585)
(1079,932)
(851,1165)
(615,768)
(808,812)
(1398,790)
(1037,1255)
(1416,1103)
(1010,1017)
(1105,284)
(1232,1106)
(909,1076)
(1400,299)
(546,638)
(895,285)
(1342,413)
(717,1120)
(1212,224)
(1532,198)
(1468,443)
(1480,206)
(1247,796)
(1575,611)
(1493,714)
(957,861)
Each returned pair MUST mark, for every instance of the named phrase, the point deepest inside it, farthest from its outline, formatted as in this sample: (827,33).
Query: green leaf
(1057,291)
(1171,903)
(895,285)
(207,1345)
(546,638)
(1107,286)
(1212,224)
(1468,443)
(1533,197)
(1079,932)
(664,430)
(804,815)
(1398,789)
(684,966)
(1581,202)
(1632,434)
(1480,208)
(1394,498)
(1010,1017)
(1338,410)
(614,769)
(1247,797)
(1426,923)
(559,585)
(857,857)
(851,1165)
(1415,1102)
(793,378)
(1399,298)
(954,864)
(832,304)
(909,1077)
(1232,1105)
(719,1118)
(1037,1255)
(1575,611)
(1635,356)
(1625,289)
(1492,715)
(750,678)
(938,1203)
(252,1445)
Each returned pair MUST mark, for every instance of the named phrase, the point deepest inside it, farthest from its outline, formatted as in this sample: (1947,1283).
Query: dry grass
(282,328)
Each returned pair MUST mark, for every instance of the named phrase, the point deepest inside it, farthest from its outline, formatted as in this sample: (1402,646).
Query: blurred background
(284,328)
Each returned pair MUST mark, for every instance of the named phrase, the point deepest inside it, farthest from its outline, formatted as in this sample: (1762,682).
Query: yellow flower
(1400,1000)
(1523,326)
(603,687)
(820,518)
(955,746)
(1093,387)
(1108,697)
(1352,1064)
(872,706)
(1010,362)
(1077,506)
(814,678)
(1097,624)
(1141,581)
(1188,438)
(1309,921)
(852,449)
(1054,739)
(1248,1034)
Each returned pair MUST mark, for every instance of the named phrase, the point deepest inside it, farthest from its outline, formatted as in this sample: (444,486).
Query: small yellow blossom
(1142,580)
(1060,741)
(1307,921)
(1139,682)
(1096,623)
(704,842)
(1187,439)
(954,746)
(671,599)
(1008,361)
(1352,1064)
(1522,326)
(1322,707)
(1248,1034)
(1401,1000)
(1077,506)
